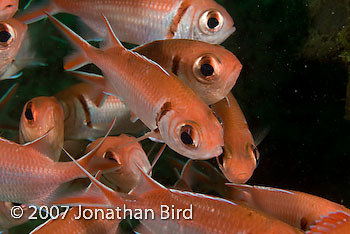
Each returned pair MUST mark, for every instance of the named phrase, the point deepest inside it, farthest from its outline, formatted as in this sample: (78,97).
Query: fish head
(40,115)
(210,22)
(211,71)
(8,8)
(12,34)
(127,154)
(239,159)
(198,137)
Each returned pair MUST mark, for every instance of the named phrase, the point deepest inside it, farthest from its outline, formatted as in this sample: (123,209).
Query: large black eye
(187,133)
(212,23)
(5,36)
(28,112)
(207,69)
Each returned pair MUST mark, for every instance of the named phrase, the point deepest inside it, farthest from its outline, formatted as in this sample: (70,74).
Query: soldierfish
(29,176)
(40,115)
(296,208)
(8,8)
(142,21)
(127,175)
(84,119)
(209,214)
(209,70)
(162,101)
(240,153)
(12,35)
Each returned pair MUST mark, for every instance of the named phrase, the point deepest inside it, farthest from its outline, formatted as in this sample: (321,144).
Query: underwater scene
(189,116)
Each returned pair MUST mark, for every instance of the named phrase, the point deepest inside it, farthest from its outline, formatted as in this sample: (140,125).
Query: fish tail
(78,41)
(38,13)
(337,222)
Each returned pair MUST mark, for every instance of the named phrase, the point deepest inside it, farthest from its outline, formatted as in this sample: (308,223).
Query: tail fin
(38,13)
(335,223)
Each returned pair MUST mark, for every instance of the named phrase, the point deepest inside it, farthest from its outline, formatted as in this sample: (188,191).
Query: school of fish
(81,148)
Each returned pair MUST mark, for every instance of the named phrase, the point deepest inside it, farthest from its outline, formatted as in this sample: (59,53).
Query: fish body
(209,70)
(158,98)
(8,8)
(296,208)
(126,156)
(12,35)
(86,120)
(240,153)
(40,115)
(142,21)
(28,176)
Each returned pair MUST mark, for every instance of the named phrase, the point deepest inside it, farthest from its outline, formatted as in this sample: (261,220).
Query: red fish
(240,153)
(142,21)
(40,115)
(158,98)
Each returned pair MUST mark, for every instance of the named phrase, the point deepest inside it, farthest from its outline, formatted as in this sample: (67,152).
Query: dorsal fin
(112,38)
(146,184)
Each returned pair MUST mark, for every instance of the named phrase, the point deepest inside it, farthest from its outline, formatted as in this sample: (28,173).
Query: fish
(7,221)
(142,21)
(333,223)
(29,176)
(298,209)
(8,8)
(127,176)
(209,70)
(12,36)
(210,214)
(240,154)
(40,115)
(84,119)
(159,99)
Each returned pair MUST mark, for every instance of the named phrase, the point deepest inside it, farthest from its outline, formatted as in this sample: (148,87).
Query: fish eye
(110,155)
(205,68)
(28,112)
(188,136)
(6,35)
(211,22)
